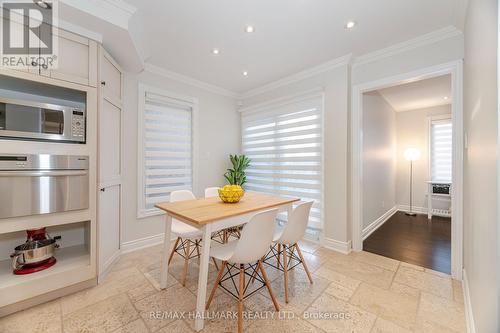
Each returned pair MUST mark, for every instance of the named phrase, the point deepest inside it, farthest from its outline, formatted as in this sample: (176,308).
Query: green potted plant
(236,178)
(236,175)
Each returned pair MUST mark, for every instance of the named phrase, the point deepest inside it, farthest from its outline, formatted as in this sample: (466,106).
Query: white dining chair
(187,244)
(245,254)
(286,239)
(211,192)
(221,236)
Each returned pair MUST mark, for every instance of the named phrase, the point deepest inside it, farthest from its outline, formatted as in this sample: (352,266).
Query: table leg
(165,253)
(203,278)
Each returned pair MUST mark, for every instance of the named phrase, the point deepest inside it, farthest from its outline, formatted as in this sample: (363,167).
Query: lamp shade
(412,154)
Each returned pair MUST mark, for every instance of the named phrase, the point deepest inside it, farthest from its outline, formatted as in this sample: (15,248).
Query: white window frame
(293,99)
(142,212)
(431,119)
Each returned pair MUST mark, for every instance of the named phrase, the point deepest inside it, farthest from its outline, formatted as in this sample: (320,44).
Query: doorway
(407,175)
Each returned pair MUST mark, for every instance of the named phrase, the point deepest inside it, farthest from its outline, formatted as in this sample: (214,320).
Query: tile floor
(360,292)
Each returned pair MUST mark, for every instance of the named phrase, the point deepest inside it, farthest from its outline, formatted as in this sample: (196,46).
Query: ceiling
(420,94)
(290,35)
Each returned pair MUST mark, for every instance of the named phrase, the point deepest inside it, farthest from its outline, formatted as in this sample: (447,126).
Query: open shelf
(75,264)
(67,259)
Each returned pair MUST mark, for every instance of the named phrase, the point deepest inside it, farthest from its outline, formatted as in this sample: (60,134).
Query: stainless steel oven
(25,119)
(42,184)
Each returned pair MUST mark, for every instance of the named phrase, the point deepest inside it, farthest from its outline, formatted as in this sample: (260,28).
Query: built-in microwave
(25,119)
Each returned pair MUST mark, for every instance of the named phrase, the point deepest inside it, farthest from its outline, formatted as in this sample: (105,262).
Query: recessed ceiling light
(249,28)
(350,24)
(215,51)
(445,97)
(42,4)
(245,73)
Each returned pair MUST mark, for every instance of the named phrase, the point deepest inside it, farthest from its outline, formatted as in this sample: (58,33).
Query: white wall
(409,59)
(481,162)
(218,136)
(335,86)
(413,132)
(379,157)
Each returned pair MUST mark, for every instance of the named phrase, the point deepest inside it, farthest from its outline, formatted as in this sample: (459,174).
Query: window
(441,150)
(165,148)
(285,145)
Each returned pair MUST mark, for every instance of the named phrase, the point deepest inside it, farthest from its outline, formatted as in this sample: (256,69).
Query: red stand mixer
(36,254)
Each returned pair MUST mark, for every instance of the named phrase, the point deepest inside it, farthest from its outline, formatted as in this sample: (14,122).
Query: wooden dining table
(211,215)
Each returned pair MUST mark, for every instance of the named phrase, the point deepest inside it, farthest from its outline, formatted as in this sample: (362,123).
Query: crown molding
(116,12)
(430,38)
(150,68)
(80,30)
(324,67)
(284,100)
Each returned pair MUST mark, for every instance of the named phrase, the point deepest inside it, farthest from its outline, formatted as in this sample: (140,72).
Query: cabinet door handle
(103,83)
(103,189)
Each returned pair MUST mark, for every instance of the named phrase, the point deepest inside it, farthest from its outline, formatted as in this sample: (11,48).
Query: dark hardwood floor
(415,240)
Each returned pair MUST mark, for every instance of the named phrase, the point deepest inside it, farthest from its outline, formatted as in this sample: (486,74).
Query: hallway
(414,240)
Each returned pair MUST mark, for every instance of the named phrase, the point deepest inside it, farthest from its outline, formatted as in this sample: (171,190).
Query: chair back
(296,225)
(181,195)
(211,192)
(256,237)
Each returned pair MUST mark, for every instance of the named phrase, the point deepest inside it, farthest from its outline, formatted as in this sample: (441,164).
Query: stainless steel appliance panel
(23,119)
(42,184)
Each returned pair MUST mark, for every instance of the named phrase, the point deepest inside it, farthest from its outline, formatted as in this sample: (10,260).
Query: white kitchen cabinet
(16,34)
(110,161)
(77,59)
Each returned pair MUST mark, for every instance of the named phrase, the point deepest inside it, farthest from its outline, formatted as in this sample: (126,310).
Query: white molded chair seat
(211,192)
(184,230)
(278,232)
(256,237)
(223,252)
(287,237)
(187,235)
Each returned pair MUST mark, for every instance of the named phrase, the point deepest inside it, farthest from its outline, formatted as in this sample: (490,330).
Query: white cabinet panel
(109,225)
(110,182)
(111,78)
(109,142)
(77,59)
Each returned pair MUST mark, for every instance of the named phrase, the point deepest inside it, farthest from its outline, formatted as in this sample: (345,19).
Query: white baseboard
(367,231)
(406,208)
(142,243)
(423,210)
(106,267)
(469,317)
(335,245)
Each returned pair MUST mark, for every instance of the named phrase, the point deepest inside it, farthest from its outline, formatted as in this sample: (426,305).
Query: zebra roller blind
(285,144)
(166,149)
(441,150)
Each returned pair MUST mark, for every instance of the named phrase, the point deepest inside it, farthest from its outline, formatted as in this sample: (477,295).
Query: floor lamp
(411,154)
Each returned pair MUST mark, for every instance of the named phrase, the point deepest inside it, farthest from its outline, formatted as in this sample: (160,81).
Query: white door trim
(454,68)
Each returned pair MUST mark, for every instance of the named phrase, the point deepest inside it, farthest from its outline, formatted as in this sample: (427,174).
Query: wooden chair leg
(215,263)
(268,285)
(186,261)
(216,285)
(197,244)
(304,263)
(240,299)
(279,254)
(285,271)
(173,250)
(254,274)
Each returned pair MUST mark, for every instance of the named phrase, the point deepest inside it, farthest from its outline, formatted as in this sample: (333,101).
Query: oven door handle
(44,173)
